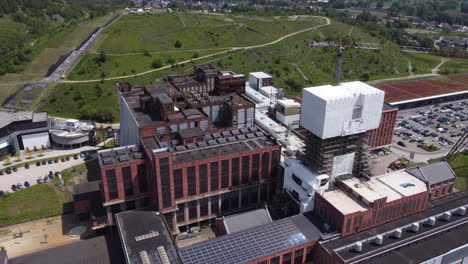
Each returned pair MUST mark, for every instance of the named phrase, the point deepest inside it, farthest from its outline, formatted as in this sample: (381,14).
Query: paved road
(210,55)
(419,156)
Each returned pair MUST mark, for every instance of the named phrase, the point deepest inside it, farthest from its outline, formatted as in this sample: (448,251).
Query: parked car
(38,163)
(15,169)
(56,161)
(51,174)
(26,184)
(67,158)
(14,188)
(8,170)
(46,179)
(62,160)
(75,157)
(26,166)
(39,180)
(50,161)
(19,186)
(1,193)
(401,143)
(1,172)
(44,162)
(57,174)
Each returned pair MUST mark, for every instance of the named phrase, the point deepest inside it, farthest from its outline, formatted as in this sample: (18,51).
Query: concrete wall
(129,131)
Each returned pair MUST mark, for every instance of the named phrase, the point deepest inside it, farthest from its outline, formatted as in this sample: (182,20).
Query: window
(165,182)
(224,173)
(142,182)
(191,181)
(115,208)
(127,180)
(180,213)
(255,165)
(235,171)
(245,169)
(112,184)
(297,180)
(189,141)
(214,204)
(298,256)
(168,217)
(287,258)
(203,178)
(192,206)
(295,195)
(214,173)
(275,260)
(309,253)
(130,205)
(178,184)
(357,112)
(204,207)
(265,165)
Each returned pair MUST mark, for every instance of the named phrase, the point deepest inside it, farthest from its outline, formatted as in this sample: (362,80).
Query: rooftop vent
(431,221)
(138,155)
(144,257)
(106,154)
(397,233)
(461,211)
(191,146)
(358,246)
(146,236)
(163,255)
(135,149)
(379,240)
(415,227)
(107,161)
(121,151)
(446,216)
(123,158)
(358,185)
(406,185)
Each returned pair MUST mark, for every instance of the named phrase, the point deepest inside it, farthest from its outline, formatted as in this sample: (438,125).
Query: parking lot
(431,128)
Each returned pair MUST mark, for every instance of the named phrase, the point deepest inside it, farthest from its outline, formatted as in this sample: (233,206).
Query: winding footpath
(207,56)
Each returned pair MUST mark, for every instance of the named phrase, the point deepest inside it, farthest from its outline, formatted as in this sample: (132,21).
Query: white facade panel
(292,120)
(343,164)
(36,140)
(351,108)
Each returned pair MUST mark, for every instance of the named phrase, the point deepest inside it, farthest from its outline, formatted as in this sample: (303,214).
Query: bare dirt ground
(37,235)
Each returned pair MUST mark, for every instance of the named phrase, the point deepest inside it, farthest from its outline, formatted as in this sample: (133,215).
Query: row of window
(300,256)
(128,180)
(215,175)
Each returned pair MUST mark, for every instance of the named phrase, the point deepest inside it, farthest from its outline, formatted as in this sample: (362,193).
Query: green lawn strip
(33,162)
(430,148)
(89,171)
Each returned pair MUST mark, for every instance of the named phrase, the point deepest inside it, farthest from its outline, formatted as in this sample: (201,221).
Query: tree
(178,44)
(146,53)
(427,42)
(101,58)
(157,63)
(380,4)
(365,77)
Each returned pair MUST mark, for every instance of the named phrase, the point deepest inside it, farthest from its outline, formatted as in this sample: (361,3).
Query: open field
(159,32)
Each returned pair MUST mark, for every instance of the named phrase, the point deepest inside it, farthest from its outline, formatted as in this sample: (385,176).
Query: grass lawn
(46,200)
(460,167)
(430,148)
(454,65)
(159,32)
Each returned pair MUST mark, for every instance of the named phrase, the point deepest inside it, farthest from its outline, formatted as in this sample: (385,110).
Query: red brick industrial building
(382,136)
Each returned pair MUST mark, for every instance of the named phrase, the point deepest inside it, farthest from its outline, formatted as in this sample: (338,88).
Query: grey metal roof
(8,117)
(243,221)
(253,243)
(39,117)
(433,173)
(3,257)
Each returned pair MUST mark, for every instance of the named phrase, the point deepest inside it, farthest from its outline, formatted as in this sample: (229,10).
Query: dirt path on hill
(209,55)
(434,73)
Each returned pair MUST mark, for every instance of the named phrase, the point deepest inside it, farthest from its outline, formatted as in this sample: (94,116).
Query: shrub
(157,63)
(178,44)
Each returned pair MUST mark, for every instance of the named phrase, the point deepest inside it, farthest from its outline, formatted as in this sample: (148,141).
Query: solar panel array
(191,146)
(106,154)
(120,151)
(201,144)
(172,253)
(212,142)
(232,139)
(226,133)
(124,158)
(180,148)
(222,140)
(135,149)
(246,245)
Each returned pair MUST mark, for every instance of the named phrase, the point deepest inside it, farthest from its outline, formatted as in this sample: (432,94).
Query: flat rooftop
(419,89)
(9,116)
(260,75)
(143,233)
(118,155)
(343,246)
(256,242)
(344,90)
(394,186)
(344,202)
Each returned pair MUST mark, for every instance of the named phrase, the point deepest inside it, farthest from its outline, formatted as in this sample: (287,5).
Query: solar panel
(216,135)
(208,136)
(251,135)
(232,139)
(259,134)
(172,253)
(107,161)
(138,155)
(222,140)
(120,151)
(163,144)
(180,148)
(212,142)
(106,154)
(201,144)
(154,257)
(135,149)
(235,132)
(191,146)
(244,130)
(241,137)
(124,158)
(175,142)
(226,133)
(253,129)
